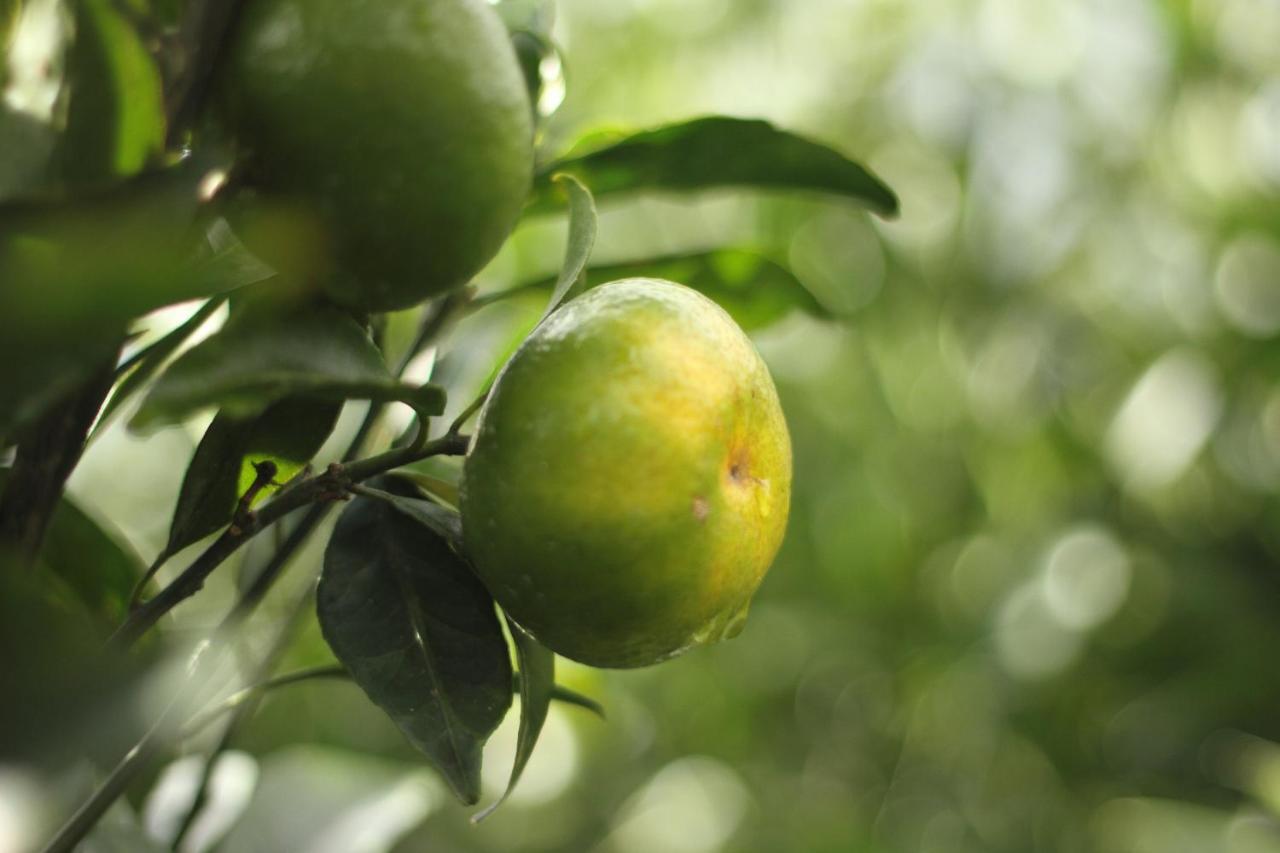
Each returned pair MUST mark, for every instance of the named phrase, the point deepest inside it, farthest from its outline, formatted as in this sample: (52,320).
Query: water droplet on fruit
(704,634)
(736,622)
(723,627)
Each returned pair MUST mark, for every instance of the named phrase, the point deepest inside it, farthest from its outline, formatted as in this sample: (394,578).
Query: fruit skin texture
(403,126)
(630,477)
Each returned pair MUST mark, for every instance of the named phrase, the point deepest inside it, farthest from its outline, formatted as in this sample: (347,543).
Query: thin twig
(435,320)
(240,698)
(329,485)
(261,585)
(266,472)
(461,420)
(139,587)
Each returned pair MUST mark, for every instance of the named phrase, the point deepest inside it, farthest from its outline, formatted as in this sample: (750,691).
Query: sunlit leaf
(115,119)
(418,633)
(582,239)
(287,434)
(261,357)
(717,151)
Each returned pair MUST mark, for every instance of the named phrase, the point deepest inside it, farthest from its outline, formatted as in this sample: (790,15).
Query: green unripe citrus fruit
(630,477)
(403,127)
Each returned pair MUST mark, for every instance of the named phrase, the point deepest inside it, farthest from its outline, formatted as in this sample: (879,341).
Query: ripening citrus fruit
(402,126)
(630,477)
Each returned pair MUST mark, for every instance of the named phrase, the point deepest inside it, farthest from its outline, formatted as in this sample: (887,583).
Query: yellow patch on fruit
(630,477)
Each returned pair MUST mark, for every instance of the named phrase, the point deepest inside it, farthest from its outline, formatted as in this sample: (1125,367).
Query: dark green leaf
(537,682)
(582,239)
(445,523)
(717,151)
(115,119)
(287,434)
(260,357)
(418,633)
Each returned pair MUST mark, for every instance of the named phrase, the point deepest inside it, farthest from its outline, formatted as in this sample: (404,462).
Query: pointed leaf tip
(418,633)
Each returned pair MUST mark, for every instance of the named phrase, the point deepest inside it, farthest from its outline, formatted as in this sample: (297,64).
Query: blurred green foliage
(1031,588)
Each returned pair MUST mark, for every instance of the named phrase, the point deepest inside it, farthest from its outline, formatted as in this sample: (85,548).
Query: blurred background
(1030,595)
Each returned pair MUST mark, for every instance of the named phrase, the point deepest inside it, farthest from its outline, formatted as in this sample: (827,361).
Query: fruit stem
(465,415)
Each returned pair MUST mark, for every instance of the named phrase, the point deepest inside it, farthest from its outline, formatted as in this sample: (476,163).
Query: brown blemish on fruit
(740,468)
(701,509)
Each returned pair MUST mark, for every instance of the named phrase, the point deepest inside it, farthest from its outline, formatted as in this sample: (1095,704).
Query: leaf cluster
(113,206)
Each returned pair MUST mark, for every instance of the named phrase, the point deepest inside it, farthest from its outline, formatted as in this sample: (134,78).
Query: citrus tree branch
(330,485)
(242,704)
(318,492)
